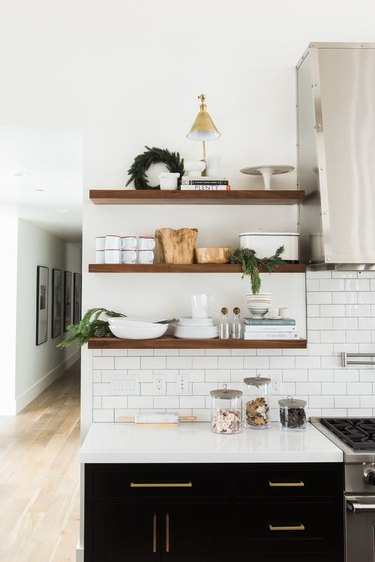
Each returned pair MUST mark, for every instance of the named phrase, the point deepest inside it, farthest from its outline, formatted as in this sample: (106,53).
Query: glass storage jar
(292,414)
(226,411)
(256,402)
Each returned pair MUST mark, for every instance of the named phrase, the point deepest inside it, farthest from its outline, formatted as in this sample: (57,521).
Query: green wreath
(142,162)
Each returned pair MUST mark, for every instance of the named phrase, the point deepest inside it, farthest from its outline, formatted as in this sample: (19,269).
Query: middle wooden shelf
(186,268)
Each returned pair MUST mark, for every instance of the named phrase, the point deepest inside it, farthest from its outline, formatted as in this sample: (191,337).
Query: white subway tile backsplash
(319,298)
(181,362)
(103,415)
(347,401)
(192,401)
(309,388)
(205,362)
(127,363)
(332,285)
(153,363)
(103,363)
(357,285)
(230,362)
(340,317)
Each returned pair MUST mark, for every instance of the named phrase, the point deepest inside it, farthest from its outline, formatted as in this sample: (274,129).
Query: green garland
(251,265)
(142,162)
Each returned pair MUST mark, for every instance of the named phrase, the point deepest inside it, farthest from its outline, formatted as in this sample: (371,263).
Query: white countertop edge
(115,443)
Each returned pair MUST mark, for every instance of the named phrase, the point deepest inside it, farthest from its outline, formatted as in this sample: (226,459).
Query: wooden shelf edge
(177,197)
(189,268)
(170,342)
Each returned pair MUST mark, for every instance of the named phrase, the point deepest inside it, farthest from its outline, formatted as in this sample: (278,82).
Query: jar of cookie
(226,413)
(256,402)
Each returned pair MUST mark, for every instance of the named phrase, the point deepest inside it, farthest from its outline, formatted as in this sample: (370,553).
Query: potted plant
(251,265)
(90,326)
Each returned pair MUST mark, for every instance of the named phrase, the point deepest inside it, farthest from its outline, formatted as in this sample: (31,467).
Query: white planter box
(265,244)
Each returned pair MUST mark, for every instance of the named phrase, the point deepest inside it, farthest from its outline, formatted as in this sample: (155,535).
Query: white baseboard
(28,395)
(79,553)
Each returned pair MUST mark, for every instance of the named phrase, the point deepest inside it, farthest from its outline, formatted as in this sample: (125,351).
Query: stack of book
(269,329)
(204,183)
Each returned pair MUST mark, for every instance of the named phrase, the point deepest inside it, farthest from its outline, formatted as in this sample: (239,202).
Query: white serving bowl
(136,330)
(257,312)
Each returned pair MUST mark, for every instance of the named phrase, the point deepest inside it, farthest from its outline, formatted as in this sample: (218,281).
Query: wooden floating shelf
(189,268)
(169,342)
(177,197)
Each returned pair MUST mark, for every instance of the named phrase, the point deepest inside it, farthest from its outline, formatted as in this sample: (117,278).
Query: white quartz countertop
(195,443)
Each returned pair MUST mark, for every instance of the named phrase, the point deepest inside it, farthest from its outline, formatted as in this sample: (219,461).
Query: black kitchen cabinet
(214,513)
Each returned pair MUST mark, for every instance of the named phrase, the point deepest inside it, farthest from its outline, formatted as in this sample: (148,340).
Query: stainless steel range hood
(336,154)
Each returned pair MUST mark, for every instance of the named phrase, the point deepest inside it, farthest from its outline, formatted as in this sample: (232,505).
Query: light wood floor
(39,477)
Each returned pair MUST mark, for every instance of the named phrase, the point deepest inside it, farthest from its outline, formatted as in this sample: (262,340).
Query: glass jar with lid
(256,402)
(292,414)
(226,411)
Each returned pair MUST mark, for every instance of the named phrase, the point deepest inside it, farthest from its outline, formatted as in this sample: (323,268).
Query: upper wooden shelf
(177,197)
(169,342)
(188,268)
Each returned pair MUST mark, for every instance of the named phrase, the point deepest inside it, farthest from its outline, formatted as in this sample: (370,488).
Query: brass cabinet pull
(154,533)
(167,532)
(299,484)
(161,484)
(300,527)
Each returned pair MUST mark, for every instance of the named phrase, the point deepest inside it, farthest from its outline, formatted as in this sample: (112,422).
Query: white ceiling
(41,176)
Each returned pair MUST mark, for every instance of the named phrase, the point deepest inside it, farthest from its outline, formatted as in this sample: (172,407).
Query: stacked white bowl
(259,304)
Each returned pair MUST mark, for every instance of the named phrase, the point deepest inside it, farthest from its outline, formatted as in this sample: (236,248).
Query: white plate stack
(195,328)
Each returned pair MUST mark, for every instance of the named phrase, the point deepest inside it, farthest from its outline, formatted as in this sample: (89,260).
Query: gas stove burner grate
(358,433)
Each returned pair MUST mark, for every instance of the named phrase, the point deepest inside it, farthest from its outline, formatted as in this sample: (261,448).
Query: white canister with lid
(226,411)
(292,414)
(265,244)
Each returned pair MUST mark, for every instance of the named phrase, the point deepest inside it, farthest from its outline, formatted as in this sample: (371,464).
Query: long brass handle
(299,484)
(300,527)
(161,484)
(167,532)
(154,533)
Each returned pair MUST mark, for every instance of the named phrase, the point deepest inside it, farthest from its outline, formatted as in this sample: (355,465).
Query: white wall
(38,365)
(8,285)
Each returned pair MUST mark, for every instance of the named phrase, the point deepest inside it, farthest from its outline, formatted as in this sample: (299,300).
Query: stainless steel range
(356,438)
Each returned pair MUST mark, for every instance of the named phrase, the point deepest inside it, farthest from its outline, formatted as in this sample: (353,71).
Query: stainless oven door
(360,528)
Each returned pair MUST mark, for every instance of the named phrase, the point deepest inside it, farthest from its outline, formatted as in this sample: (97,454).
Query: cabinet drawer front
(143,482)
(290,526)
(298,482)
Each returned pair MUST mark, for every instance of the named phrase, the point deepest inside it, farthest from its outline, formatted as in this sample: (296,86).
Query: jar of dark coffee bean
(292,414)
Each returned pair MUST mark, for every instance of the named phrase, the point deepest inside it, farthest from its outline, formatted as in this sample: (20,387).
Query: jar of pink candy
(226,411)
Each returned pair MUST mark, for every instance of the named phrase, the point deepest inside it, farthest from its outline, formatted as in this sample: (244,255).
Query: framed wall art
(56,302)
(42,274)
(77,303)
(67,299)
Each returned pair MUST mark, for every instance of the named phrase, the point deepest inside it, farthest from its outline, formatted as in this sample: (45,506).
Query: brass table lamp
(203,128)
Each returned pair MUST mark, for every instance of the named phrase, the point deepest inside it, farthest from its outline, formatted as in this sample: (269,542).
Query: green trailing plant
(90,326)
(251,265)
(142,162)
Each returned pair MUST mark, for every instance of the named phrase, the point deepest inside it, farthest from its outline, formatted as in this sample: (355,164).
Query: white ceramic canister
(169,180)
(265,244)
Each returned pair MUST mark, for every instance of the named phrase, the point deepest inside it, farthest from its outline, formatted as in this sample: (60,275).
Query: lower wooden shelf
(169,342)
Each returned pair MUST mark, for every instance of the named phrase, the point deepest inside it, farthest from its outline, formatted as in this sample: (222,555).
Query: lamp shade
(203,128)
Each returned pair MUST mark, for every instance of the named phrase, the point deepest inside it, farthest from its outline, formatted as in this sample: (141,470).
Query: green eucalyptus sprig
(90,326)
(251,265)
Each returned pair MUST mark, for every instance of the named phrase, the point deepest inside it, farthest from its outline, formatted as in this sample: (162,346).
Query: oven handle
(355,506)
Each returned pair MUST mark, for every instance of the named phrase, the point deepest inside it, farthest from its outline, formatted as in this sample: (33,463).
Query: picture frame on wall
(42,275)
(67,299)
(56,303)
(77,302)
